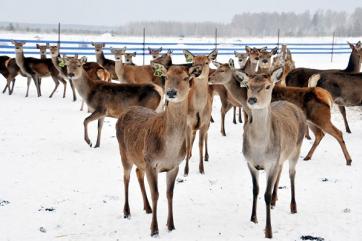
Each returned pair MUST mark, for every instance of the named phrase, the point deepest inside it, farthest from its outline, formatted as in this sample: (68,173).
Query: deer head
(242,58)
(223,73)
(154,52)
(98,47)
(42,48)
(118,53)
(200,64)
(265,58)
(253,54)
(75,66)
(259,87)
(128,57)
(18,46)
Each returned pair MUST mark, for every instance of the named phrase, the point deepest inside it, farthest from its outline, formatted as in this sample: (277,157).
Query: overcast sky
(117,12)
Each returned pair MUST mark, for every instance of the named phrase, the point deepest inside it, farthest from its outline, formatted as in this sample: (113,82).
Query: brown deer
(155,53)
(253,60)
(200,107)
(128,58)
(37,68)
(108,99)
(155,142)
(273,135)
(4,70)
(132,73)
(43,50)
(299,77)
(265,60)
(108,64)
(315,102)
(284,59)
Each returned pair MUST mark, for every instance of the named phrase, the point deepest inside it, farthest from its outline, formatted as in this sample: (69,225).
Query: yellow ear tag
(189,58)
(61,64)
(157,71)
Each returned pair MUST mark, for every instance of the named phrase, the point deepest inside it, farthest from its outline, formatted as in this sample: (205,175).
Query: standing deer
(155,142)
(284,59)
(108,64)
(265,60)
(43,50)
(200,107)
(299,77)
(108,99)
(273,135)
(155,53)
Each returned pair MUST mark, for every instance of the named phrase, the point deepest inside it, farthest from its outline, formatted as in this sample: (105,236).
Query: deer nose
(265,61)
(257,58)
(252,100)
(71,74)
(171,94)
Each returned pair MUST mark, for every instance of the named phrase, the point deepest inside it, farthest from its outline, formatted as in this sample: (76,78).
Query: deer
(155,142)
(36,69)
(284,59)
(108,64)
(108,99)
(132,73)
(316,104)
(299,77)
(155,53)
(200,107)
(265,60)
(273,135)
(4,70)
(43,50)
(128,58)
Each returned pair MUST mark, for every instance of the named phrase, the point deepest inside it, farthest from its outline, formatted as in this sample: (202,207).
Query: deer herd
(161,106)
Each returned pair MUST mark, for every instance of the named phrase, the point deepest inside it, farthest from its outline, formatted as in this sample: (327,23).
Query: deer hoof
(307,158)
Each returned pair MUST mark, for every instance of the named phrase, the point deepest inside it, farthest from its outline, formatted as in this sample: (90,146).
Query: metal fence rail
(225,48)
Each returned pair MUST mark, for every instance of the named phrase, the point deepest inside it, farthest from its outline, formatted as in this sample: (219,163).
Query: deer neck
(176,121)
(83,84)
(239,93)
(354,63)
(259,126)
(19,59)
(43,56)
(119,69)
(100,58)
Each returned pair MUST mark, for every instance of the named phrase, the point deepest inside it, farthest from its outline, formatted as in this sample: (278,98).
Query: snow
(45,165)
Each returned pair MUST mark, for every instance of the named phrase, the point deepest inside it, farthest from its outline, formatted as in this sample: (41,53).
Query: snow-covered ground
(54,187)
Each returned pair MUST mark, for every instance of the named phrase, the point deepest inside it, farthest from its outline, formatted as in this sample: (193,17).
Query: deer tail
(324,96)
(313,80)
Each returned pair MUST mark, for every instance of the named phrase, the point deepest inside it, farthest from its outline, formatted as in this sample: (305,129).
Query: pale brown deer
(265,60)
(155,53)
(128,58)
(284,59)
(273,135)
(108,99)
(200,107)
(155,142)
(108,64)
(43,50)
(315,102)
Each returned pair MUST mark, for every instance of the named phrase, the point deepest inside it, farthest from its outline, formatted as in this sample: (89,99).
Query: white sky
(117,12)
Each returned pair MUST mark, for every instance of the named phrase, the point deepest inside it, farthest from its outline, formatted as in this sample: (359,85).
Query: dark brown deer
(315,102)
(200,107)
(108,64)
(273,135)
(155,142)
(299,77)
(108,99)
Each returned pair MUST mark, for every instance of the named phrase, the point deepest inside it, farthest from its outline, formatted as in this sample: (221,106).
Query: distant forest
(319,23)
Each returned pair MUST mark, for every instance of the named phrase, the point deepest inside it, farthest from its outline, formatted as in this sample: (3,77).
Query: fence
(225,48)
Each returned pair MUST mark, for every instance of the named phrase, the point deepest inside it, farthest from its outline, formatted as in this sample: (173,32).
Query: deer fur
(43,50)
(155,142)
(200,107)
(108,99)
(273,135)
(299,77)
(128,58)
(132,73)
(155,53)
(315,103)
(108,64)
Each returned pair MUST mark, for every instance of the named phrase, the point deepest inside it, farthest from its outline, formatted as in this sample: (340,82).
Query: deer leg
(225,107)
(206,149)
(202,136)
(82,105)
(56,82)
(12,87)
(65,86)
(27,88)
(342,109)
(73,90)
(94,116)
(100,126)
(240,118)
(39,85)
(307,136)
(234,115)
(188,152)
(318,135)
(292,164)
(212,119)
(255,177)
(171,177)
(126,177)
(7,86)
(275,191)
(337,134)
(37,82)
(141,180)
(152,174)
(271,179)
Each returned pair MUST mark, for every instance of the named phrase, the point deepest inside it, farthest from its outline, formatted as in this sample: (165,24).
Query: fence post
(332,52)
(144,44)
(215,38)
(278,37)
(59,37)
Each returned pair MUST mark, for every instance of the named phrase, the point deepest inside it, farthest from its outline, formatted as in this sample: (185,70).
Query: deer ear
(247,49)
(103,45)
(263,49)
(358,44)
(169,51)
(124,49)
(242,77)
(158,69)
(37,46)
(92,43)
(188,55)
(276,75)
(235,53)
(231,64)
(76,56)
(217,64)
(213,55)
(274,51)
(134,54)
(351,46)
(160,50)
(83,60)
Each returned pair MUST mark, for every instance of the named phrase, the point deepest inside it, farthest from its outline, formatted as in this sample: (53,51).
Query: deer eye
(268,87)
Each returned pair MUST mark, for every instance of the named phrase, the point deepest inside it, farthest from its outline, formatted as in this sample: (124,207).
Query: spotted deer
(108,99)
(132,73)
(108,64)
(200,107)
(155,142)
(273,135)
